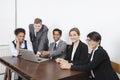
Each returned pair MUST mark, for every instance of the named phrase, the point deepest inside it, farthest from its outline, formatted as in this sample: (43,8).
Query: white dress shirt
(16,52)
(74,50)
(35,32)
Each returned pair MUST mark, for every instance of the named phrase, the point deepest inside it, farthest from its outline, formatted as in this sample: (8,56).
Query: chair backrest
(116,66)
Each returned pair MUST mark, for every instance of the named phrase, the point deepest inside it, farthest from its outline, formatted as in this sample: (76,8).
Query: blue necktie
(54,48)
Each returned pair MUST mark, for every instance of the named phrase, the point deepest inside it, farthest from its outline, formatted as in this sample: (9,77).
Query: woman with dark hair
(19,42)
(99,63)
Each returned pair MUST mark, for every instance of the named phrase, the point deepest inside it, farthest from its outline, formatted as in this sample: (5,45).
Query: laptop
(29,55)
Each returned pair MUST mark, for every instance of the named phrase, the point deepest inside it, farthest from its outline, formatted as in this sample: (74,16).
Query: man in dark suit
(38,36)
(57,48)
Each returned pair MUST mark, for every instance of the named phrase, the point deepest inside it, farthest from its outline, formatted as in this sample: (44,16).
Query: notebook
(29,55)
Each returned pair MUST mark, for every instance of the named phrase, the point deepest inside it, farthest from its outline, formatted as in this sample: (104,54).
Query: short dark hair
(60,32)
(19,30)
(95,36)
(37,21)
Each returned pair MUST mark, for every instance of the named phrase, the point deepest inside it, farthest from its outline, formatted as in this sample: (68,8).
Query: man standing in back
(38,36)
(57,48)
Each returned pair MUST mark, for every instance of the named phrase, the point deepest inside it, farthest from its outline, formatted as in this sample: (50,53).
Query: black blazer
(100,65)
(40,41)
(81,54)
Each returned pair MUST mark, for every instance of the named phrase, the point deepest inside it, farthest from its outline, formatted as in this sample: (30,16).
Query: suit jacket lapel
(38,35)
(59,44)
(70,52)
(77,50)
(32,31)
(52,46)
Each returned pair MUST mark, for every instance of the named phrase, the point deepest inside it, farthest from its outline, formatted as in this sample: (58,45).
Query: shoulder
(12,42)
(45,28)
(51,43)
(62,42)
(101,51)
(82,45)
(30,25)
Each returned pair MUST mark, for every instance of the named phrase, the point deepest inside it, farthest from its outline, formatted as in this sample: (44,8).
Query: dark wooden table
(47,70)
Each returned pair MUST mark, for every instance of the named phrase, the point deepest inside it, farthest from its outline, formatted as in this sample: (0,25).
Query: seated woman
(19,42)
(99,65)
(78,51)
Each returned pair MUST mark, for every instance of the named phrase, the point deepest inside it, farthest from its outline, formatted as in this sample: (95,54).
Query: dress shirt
(74,50)
(57,42)
(16,52)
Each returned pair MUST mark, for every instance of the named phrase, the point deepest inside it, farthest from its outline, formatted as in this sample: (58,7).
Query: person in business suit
(57,48)
(38,36)
(78,51)
(99,65)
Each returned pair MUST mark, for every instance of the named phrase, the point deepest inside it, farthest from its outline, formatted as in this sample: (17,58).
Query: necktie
(55,46)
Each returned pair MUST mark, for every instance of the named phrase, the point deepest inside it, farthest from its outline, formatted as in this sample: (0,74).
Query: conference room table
(47,70)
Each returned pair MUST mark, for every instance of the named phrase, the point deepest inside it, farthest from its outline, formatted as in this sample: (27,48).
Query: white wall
(88,15)
(7,21)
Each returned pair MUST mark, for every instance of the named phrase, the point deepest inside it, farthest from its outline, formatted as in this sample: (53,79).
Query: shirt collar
(96,48)
(57,42)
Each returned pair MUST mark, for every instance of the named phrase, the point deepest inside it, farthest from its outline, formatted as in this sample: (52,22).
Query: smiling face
(37,27)
(91,43)
(56,36)
(20,37)
(74,36)
(93,39)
